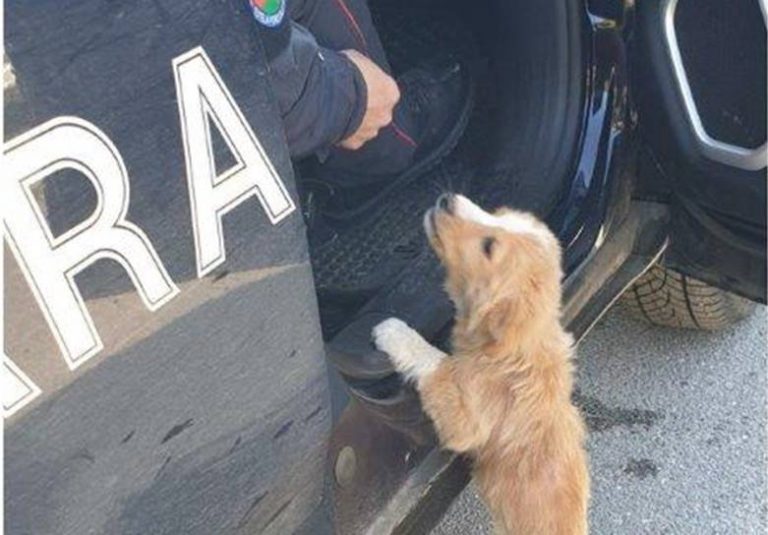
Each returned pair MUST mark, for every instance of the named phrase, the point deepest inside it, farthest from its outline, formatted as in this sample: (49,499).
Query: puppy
(504,396)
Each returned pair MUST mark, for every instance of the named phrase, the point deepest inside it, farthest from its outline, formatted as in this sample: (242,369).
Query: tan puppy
(504,396)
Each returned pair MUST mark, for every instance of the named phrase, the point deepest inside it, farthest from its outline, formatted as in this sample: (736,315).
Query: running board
(614,265)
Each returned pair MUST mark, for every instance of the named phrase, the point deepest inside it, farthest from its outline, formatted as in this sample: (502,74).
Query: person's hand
(383,95)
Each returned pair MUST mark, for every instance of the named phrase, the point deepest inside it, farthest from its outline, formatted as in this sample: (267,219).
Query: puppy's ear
(499,318)
(494,321)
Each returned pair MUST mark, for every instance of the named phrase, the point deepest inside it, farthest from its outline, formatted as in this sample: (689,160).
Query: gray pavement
(678,431)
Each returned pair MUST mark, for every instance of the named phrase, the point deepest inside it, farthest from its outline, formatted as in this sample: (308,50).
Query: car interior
(523,146)
(525,61)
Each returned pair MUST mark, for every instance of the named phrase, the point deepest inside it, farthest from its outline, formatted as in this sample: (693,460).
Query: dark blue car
(178,359)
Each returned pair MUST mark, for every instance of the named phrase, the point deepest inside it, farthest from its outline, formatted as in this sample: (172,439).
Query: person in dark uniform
(339,101)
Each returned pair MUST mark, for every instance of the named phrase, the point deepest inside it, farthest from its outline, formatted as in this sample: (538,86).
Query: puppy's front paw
(409,353)
(392,337)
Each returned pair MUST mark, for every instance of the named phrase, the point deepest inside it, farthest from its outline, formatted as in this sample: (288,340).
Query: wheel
(666,297)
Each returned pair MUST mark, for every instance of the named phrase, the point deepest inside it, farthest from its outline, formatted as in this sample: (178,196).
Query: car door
(700,85)
(163,363)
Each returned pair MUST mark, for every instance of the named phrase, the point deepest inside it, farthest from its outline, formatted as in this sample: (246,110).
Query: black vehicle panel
(713,159)
(210,413)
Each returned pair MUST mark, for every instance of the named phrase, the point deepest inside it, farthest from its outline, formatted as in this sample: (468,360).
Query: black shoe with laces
(428,122)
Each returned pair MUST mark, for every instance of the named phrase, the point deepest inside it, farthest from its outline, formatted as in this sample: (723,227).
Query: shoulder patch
(268,12)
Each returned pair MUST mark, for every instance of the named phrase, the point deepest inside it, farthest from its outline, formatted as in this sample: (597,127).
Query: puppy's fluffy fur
(504,396)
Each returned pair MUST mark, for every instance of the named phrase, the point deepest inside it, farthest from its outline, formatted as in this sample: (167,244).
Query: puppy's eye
(488,245)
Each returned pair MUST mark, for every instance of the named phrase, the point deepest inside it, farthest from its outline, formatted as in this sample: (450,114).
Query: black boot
(428,121)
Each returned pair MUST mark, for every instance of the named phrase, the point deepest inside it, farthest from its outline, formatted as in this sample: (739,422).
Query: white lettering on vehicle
(202,95)
(17,389)
(49,263)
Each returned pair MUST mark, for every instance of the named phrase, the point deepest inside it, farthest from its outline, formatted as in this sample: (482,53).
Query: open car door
(163,367)
(701,88)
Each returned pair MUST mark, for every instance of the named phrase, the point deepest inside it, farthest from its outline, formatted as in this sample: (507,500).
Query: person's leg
(321,93)
(341,25)
(323,98)
(347,24)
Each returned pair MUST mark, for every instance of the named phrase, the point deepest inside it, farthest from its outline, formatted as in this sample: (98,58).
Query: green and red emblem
(268,12)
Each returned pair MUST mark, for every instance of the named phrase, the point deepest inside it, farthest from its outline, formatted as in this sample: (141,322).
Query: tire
(665,297)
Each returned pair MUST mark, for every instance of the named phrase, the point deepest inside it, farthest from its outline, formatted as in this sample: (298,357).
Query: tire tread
(666,297)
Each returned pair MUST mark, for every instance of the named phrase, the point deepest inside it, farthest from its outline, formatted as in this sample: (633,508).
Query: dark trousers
(321,94)
(340,25)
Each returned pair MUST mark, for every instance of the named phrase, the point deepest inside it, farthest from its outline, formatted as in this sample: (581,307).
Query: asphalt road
(677,439)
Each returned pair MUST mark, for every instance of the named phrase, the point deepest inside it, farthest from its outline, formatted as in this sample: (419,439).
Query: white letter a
(201,96)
